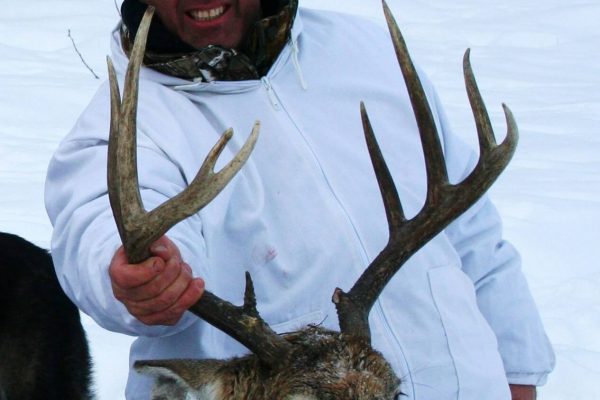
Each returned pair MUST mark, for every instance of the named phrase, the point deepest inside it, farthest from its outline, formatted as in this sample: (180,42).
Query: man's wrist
(523,392)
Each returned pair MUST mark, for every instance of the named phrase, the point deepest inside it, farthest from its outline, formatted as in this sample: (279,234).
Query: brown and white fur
(324,365)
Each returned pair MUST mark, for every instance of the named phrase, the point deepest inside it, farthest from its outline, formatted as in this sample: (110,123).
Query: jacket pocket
(299,322)
(471,342)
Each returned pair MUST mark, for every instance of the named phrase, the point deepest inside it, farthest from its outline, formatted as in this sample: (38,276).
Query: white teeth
(207,15)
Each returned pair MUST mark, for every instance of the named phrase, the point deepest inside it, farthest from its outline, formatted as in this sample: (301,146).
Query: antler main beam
(139,229)
(444,201)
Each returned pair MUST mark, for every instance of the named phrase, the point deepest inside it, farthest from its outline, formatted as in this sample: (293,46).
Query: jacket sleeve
(85,236)
(494,266)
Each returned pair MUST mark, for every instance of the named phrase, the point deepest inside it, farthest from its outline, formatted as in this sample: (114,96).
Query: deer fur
(43,350)
(324,365)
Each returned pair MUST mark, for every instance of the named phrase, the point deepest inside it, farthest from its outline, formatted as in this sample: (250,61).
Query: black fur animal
(43,349)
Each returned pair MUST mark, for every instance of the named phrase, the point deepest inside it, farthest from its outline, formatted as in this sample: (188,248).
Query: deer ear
(183,379)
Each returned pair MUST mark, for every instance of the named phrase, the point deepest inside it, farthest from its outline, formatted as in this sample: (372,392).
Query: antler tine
(444,202)
(434,157)
(482,120)
(244,324)
(139,229)
(389,194)
(204,187)
(353,308)
(487,140)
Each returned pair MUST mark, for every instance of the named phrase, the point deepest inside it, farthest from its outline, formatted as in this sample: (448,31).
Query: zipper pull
(270,92)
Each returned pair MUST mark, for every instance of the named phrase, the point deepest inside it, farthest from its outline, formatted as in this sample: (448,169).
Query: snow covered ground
(542,57)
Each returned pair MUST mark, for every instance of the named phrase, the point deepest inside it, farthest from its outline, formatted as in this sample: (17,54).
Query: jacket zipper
(270,93)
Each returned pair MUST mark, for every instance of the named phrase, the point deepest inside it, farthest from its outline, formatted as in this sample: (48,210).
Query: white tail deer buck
(313,363)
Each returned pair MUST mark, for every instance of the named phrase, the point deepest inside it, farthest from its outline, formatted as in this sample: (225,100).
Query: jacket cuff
(525,378)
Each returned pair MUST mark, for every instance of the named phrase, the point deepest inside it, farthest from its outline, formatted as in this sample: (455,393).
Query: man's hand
(522,392)
(159,290)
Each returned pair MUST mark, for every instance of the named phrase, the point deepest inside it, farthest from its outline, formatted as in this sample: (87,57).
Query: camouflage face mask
(169,55)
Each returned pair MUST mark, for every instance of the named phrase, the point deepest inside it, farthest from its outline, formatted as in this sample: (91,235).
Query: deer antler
(444,201)
(139,229)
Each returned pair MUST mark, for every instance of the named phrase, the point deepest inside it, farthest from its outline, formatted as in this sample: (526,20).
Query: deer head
(313,363)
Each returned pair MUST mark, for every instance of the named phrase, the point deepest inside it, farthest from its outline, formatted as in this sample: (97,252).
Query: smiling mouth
(207,15)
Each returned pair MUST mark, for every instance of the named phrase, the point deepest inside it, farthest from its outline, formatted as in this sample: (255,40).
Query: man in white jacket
(303,216)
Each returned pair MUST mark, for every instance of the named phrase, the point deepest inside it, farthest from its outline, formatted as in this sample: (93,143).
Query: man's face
(200,23)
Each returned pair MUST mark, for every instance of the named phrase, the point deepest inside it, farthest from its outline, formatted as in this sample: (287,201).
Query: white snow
(541,57)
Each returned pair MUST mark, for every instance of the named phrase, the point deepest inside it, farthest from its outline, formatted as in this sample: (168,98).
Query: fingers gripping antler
(444,201)
(139,229)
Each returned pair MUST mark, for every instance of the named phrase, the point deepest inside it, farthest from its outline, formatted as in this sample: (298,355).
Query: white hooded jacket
(304,216)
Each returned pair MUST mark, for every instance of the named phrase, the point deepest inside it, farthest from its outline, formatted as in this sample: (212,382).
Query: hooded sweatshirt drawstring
(295,52)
